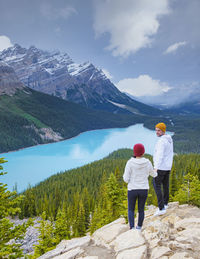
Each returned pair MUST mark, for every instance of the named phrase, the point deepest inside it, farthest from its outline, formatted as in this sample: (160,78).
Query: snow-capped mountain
(56,74)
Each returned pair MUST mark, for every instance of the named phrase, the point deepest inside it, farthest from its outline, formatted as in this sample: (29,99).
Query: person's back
(136,174)
(137,171)
(163,153)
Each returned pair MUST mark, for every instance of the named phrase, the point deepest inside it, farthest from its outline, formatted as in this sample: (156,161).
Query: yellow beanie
(161,126)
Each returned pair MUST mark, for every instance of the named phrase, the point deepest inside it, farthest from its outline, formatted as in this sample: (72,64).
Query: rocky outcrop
(174,235)
(31,236)
(9,82)
(47,134)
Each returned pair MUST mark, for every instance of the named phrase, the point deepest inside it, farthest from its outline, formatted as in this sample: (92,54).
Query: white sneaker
(166,206)
(160,212)
(138,228)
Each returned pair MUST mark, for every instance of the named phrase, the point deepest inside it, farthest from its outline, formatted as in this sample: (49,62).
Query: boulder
(67,245)
(105,235)
(70,254)
(160,251)
(182,255)
(129,239)
(135,253)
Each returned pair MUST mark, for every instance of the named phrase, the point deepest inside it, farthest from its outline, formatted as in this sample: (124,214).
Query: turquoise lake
(34,164)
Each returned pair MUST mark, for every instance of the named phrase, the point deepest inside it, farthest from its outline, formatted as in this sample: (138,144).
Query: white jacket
(163,153)
(136,173)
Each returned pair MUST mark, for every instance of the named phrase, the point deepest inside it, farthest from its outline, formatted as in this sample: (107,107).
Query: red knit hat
(138,149)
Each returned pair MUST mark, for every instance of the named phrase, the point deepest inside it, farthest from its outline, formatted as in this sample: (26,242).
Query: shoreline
(20,149)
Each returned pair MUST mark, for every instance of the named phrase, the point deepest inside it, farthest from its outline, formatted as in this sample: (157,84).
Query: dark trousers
(159,182)
(141,196)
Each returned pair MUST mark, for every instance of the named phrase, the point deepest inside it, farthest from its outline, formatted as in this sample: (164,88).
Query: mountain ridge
(56,74)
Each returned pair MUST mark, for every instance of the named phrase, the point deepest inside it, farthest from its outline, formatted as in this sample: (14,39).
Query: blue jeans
(141,196)
(162,180)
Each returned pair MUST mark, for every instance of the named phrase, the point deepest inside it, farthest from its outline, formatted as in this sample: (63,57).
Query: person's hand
(155,170)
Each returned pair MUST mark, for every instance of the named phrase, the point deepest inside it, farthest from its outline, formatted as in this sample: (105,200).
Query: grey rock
(67,245)
(9,82)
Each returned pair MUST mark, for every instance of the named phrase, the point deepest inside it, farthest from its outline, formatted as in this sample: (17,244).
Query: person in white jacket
(162,159)
(136,173)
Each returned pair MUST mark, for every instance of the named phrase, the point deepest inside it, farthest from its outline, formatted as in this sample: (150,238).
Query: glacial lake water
(34,164)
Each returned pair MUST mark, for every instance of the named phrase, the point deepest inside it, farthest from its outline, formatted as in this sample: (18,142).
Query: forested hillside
(186,131)
(27,115)
(74,185)
(86,198)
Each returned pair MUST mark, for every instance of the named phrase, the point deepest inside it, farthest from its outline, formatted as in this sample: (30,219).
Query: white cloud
(130,23)
(5,42)
(107,73)
(174,47)
(144,85)
(189,92)
(52,13)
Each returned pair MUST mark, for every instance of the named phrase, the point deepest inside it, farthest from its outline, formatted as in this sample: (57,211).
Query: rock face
(175,234)
(56,74)
(9,82)
(31,236)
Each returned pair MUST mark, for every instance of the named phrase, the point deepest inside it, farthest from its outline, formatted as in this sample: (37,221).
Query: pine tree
(95,222)
(9,206)
(47,240)
(115,196)
(80,227)
(62,227)
(117,175)
(111,204)
(45,206)
(28,206)
(173,182)
(86,204)
(74,215)
(189,191)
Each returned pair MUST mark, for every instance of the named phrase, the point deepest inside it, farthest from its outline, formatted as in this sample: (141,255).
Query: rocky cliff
(55,73)
(9,82)
(174,235)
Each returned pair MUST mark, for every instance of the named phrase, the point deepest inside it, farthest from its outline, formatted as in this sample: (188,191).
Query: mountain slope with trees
(27,115)
(86,198)
(88,185)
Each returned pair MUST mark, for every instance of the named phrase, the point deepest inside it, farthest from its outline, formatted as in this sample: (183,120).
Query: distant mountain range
(56,74)
(186,102)
(186,108)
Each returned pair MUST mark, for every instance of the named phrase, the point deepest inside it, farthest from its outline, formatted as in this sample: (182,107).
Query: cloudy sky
(149,49)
